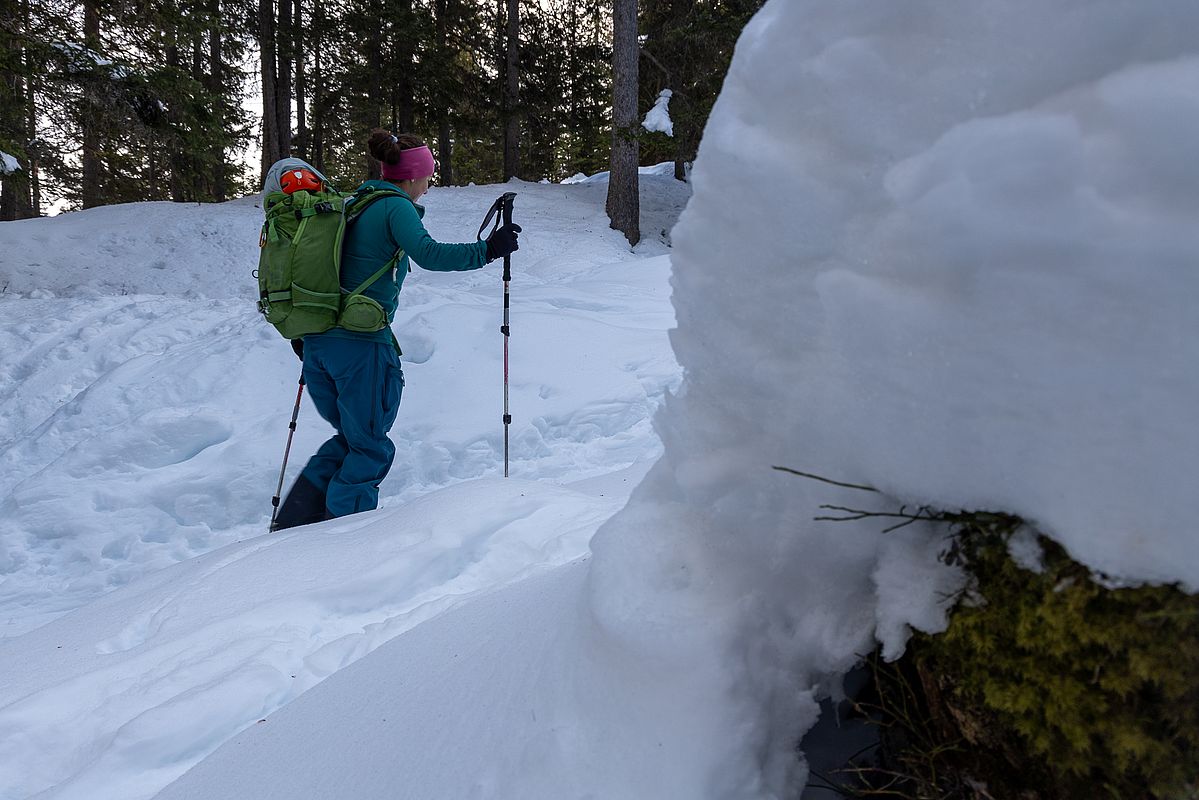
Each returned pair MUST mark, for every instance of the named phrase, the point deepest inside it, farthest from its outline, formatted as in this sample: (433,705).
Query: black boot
(303,505)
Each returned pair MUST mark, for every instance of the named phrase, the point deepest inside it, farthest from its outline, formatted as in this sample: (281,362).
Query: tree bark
(302,144)
(284,33)
(404,106)
(512,92)
(216,87)
(374,100)
(270,115)
(316,148)
(35,183)
(445,142)
(175,155)
(91,192)
(14,124)
(624,204)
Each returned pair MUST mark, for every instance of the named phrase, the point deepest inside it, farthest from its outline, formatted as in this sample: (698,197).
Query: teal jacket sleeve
(409,233)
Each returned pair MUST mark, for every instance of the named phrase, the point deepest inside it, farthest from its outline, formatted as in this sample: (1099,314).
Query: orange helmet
(295,180)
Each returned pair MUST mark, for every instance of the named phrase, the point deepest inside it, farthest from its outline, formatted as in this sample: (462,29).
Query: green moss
(1050,685)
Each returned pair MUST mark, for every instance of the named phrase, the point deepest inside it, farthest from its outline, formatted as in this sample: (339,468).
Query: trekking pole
(291,431)
(504,208)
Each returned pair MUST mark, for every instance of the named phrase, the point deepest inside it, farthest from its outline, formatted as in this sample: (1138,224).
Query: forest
(117,101)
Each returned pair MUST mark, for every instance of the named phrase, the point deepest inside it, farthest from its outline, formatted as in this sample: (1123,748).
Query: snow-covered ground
(145,403)
(145,408)
(946,250)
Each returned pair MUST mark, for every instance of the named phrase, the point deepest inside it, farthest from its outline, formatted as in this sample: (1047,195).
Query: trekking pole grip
(506,212)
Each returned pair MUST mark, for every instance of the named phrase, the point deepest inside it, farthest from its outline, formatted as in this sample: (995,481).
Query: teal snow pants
(356,386)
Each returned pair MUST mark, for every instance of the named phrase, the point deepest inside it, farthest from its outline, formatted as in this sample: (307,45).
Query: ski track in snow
(144,412)
(139,430)
(141,690)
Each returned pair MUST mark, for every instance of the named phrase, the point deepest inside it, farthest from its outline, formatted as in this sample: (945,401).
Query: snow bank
(124,695)
(946,250)
(657,170)
(508,696)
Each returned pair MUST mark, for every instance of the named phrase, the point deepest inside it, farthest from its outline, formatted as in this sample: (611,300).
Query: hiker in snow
(354,378)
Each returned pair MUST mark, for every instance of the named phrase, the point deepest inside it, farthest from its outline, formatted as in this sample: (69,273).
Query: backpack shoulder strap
(362,199)
(359,203)
(383,270)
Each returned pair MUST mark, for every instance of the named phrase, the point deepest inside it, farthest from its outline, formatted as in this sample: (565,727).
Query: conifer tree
(688,47)
(624,205)
(16,197)
(511,73)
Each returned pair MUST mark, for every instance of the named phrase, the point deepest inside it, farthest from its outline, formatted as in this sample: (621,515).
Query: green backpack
(299,264)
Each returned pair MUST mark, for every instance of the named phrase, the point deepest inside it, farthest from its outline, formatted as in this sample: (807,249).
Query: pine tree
(512,89)
(16,190)
(624,205)
(688,47)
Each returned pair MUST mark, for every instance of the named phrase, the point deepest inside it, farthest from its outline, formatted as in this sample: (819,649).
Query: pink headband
(415,163)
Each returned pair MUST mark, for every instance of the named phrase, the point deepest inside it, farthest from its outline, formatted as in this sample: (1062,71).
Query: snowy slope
(145,404)
(942,249)
(118,698)
(144,416)
(512,696)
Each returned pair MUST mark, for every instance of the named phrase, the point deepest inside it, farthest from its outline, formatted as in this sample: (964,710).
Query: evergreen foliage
(1047,684)
(106,101)
(688,48)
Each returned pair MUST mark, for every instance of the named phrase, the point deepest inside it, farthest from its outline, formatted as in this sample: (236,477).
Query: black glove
(503,241)
(298,346)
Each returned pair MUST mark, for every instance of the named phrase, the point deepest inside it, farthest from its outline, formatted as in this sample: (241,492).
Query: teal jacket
(385,227)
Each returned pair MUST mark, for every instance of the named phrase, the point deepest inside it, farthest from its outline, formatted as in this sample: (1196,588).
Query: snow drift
(947,250)
(942,249)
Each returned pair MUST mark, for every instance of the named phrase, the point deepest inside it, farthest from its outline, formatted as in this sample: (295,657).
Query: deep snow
(145,410)
(944,250)
(145,403)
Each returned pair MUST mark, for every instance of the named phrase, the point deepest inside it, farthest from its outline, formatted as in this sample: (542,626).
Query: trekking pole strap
(500,211)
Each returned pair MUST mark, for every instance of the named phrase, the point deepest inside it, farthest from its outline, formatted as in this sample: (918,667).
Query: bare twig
(825,480)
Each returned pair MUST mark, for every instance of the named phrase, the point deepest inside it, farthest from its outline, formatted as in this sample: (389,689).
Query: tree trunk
(302,144)
(284,34)
(91,191)
(14,77)
(624,205)
(512,93)
(35,183)
(404,107)
(445,143)
(373,102)
(175,155)
(216,87)
(317,147)
(270,116)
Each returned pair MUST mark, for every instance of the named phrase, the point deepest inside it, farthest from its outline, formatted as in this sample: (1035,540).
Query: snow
(658,117)
(958,266)
(84,56)
(943,250)
(664,168)
(145,402)
(145,407)
(8,164)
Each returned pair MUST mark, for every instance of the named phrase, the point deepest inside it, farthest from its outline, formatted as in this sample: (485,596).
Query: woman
(354,379)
